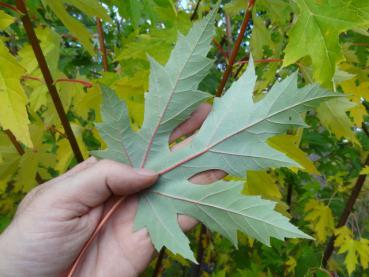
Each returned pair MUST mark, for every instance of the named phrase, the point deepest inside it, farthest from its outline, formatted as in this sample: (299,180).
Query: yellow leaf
(13,100)
(86,101)
(365,170)
(38,97)
(32,159)
(362,248)
(132,90)
(5,20)
(291,265)
(357,90)
(332,115)
(64,154)
(342,234)
(289,144)
(50,45)
(354,249)
(321,219)
(262,183)
(27,171)
(9,165)
(351,257)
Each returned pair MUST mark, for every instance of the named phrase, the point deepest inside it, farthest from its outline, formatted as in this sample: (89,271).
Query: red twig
(261,61)
(52,128)
(48,79)
(221,49)
(14,141)
(235,49)
(8,6)
(360,44)
(82,82)
(102,49)
(69,36)
(96,232)
(245,60)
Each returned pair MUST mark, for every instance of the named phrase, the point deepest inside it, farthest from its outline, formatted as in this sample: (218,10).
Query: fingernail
(145,172)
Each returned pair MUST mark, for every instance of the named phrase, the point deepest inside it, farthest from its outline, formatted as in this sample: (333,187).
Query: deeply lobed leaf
(233,138)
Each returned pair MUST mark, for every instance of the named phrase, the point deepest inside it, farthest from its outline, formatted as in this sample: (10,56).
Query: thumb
(94,185)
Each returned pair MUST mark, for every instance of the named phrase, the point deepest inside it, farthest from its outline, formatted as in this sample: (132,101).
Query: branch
(229,34)
(261,61)
(20,151)
(203,236)
(244,61)
(82,82)
(221,49)
(158,266)
(8,6)
(194,14)
(348,208)
(48,79)
(102,49)
(360,44)
(235,49)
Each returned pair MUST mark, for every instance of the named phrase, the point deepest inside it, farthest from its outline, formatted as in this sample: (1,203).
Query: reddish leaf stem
(82,82)
(348,208)
(107,216)
(360,44)
(261,61)
(8,6)
(221,49)
(48,78)
(235,49)
(100,33)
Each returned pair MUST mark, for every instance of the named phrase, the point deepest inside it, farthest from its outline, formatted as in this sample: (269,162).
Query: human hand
(56,219)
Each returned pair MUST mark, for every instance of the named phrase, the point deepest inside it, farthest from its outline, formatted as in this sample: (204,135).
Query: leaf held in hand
(233,138)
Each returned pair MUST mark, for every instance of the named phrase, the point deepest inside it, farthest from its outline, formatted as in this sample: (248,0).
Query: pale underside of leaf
(233,138)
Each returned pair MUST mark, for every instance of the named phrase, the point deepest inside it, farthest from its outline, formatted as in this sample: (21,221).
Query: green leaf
(233,138)
(90,7)
(316,33)
(277,10)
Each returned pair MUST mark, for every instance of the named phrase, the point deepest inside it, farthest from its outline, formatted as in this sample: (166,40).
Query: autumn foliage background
(108,42)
